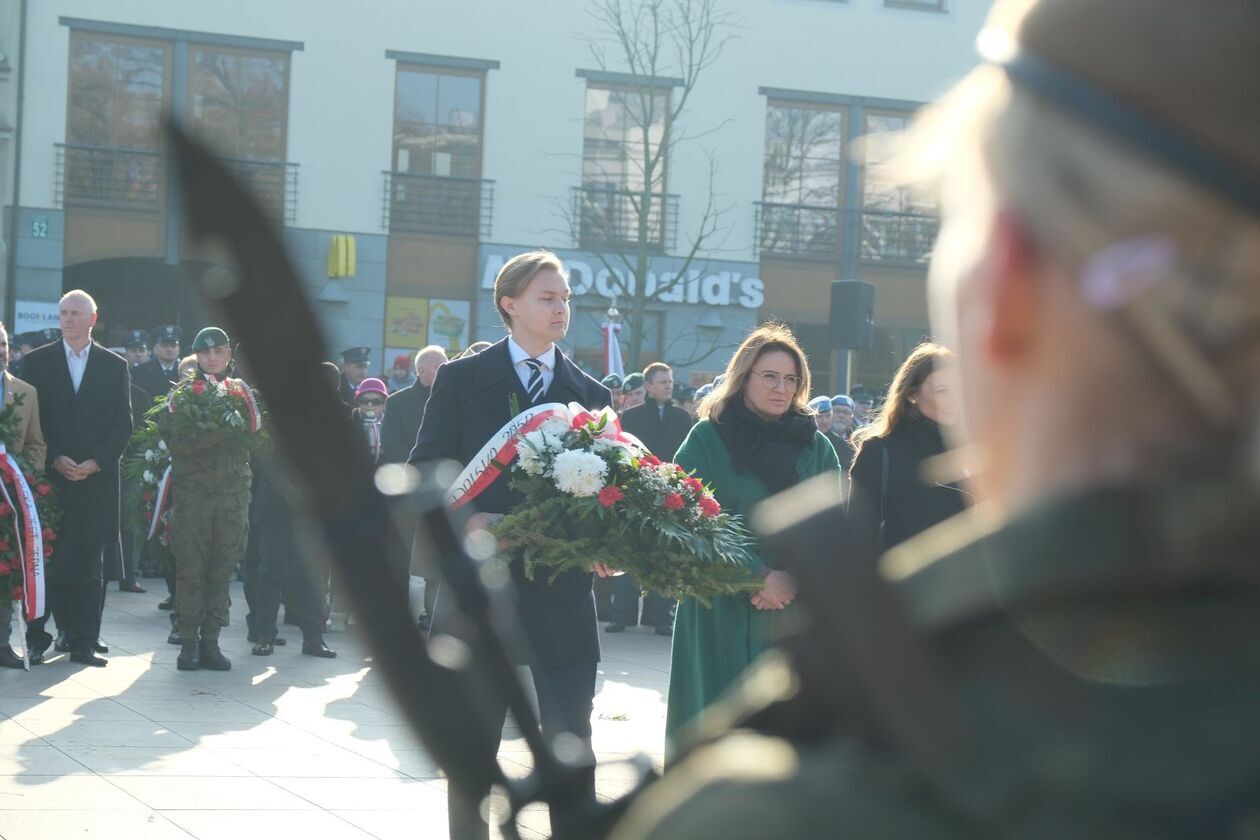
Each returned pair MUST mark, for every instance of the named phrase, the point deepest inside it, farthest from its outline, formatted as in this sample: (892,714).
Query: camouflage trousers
(208,536)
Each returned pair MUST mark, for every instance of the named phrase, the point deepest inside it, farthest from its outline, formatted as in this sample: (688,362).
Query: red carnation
(43,489)
(5,545)
(674,501)
(680,469)
(695,485)
(47,551)
(610,495)
(649,461)
(199,387)
(709,506)
(5,510)
(50,535)
(16,593)
(149,497)
(6,568)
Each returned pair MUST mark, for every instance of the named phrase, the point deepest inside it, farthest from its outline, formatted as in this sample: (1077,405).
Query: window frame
(194,47)
(401,66)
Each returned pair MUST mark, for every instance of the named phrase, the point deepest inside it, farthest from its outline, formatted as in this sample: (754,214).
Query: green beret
(633,382)
(209,337)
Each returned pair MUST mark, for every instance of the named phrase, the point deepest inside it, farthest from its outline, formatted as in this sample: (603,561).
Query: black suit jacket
(471,400)
(150,378)
(403,411)
(95,423)
(661,435)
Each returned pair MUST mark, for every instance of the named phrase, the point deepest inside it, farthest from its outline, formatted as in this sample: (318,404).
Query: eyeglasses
(773,381)
(373,401)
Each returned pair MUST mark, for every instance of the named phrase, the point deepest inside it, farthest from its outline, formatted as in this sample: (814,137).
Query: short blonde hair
(765,339)
(518,272)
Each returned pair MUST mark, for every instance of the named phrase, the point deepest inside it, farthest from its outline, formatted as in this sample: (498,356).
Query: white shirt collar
(518,353)
(70,354)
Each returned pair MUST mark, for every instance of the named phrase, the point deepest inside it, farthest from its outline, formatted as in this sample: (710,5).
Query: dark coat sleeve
(438,437)
(116,416)
(866,481)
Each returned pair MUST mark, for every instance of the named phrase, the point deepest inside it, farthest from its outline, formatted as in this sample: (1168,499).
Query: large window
(435,184)
(801,179)
(116,92)
(240,101)
(624,160)
(898,223)
(437,123)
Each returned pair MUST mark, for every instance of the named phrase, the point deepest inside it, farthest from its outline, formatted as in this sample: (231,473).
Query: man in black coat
(157,375)
(405,407)
(662,427)
(85,409)
(472,399)
(354,369)
(403,412)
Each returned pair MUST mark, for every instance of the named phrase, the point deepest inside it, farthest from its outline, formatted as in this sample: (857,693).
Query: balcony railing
(898,237)
(135,179)
(807,232)
(438,204)
(273,183)
(609,218)
(99,175)
(798,231)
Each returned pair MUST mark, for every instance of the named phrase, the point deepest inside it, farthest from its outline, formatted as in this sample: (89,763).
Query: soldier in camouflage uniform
(210,485)
(1079,656)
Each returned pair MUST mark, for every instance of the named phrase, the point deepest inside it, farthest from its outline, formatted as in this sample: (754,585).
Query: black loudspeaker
(852,315)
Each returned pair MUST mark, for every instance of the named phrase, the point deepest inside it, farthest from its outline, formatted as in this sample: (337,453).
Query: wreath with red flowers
(12,576)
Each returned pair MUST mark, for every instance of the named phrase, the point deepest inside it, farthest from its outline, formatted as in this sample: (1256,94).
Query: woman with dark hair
(891,451)
(756,437)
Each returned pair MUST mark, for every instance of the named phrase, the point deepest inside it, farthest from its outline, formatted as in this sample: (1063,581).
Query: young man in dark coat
(85,409)
(472,399)
(662,427)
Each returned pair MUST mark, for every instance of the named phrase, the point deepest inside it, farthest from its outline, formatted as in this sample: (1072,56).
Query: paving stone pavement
(285,745)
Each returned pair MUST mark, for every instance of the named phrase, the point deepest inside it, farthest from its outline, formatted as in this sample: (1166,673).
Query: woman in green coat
(756,437)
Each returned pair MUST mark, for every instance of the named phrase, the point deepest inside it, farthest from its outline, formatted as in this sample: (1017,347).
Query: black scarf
(768,449)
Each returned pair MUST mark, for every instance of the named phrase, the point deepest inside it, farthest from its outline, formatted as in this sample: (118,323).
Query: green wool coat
(713,645)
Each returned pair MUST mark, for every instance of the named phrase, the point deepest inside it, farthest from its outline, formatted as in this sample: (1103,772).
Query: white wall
(341,90)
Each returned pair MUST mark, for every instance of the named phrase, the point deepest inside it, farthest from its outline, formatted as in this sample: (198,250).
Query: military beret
(356,355)
(820,404)
(842,400)
(862,394)
(136,338)
(633,382)
(612,382)
(169,332)
(209,337)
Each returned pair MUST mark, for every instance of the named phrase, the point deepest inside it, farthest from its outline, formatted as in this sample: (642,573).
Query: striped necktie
(535,385)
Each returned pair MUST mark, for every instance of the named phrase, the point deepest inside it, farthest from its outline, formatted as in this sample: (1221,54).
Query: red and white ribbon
(30,535)
(160,503)
(499,452)
(253,414)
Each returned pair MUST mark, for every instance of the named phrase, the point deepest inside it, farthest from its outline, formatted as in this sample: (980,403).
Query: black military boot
(212,658)
(173,638)
(189,654)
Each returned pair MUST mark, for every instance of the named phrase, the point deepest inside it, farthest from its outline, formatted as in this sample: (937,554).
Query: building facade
(406,149)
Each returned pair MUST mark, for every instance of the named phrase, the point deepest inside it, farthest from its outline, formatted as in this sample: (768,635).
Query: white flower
(580,473)
(150,455)
(556,426)
(162,445)
(149,478)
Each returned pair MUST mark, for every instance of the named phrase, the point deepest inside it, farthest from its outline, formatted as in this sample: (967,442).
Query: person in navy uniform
(159,373)
(354,369)
(473,398)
